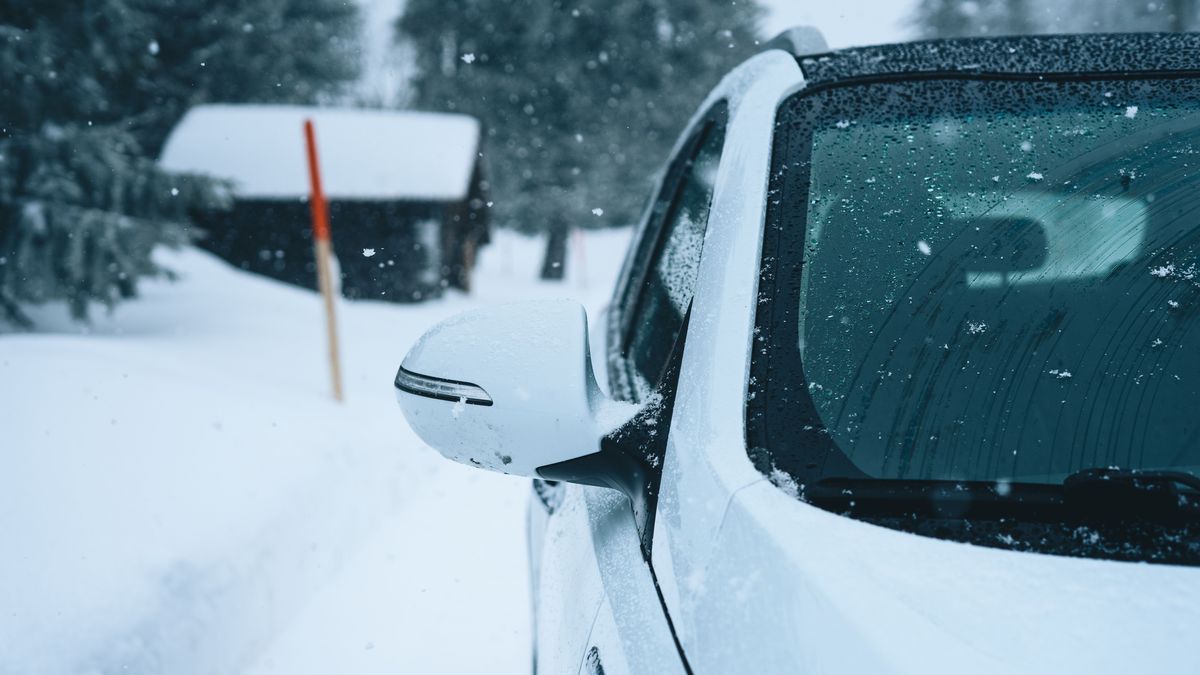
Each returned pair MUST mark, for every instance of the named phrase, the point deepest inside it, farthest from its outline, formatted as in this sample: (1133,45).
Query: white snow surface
(181,495)
(363,154)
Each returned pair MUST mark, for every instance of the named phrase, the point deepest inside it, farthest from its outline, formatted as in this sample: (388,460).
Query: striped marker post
(323,250)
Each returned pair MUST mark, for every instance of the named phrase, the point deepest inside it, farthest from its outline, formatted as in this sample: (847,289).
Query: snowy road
(439,587)
(181,495)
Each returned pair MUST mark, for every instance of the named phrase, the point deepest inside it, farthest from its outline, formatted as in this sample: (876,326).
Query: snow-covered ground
(181,495)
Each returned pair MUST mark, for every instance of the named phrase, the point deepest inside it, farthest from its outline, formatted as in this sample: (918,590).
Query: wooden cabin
(406,191)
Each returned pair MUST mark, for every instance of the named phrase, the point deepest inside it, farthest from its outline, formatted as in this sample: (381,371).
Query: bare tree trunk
(554,264)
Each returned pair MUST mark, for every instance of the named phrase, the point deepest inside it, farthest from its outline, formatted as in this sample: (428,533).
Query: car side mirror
(509,389)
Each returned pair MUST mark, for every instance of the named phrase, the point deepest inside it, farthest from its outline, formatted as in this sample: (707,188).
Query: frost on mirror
(1000,279)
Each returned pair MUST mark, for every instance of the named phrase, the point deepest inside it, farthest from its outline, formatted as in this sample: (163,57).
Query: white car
(904,367)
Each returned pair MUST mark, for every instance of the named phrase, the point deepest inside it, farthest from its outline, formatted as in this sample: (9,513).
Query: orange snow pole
(323,250)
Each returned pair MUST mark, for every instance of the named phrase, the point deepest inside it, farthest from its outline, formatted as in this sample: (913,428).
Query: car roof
(1118,53)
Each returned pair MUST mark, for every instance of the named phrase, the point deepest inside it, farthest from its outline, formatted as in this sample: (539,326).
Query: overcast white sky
(845,23)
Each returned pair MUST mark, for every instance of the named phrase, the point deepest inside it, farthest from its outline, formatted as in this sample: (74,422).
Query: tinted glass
(984,280)
(671,275)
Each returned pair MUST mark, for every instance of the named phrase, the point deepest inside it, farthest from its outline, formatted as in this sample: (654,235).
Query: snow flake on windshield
(468,58)
(1035,176)
(785,482)
(1131,111)
(1062,374)
(1170,271)
(1007,539)
(597,211)
(924,248)
(976,327)
(368,252)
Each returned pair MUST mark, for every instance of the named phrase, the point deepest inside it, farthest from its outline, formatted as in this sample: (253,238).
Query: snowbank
(180,495)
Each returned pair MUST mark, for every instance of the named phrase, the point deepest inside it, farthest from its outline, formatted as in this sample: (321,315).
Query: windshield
(982,280)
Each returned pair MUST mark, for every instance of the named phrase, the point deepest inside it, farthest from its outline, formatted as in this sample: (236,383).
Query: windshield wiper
(1113,492)
(1099,494)
(1144,478)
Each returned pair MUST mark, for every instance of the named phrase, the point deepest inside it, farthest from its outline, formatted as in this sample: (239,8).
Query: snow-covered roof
(364,154)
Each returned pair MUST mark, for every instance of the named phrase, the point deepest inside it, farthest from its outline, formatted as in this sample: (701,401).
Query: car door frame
(629,629)
(634,616)
(707,462)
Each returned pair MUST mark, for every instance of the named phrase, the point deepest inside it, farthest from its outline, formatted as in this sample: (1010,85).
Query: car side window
(668,280)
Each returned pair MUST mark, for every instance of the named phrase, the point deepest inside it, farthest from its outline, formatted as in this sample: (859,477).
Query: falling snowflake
(368,252)
(468,58)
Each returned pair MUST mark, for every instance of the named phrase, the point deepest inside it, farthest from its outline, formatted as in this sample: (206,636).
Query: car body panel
(593,588)
(828,594)
(631,633)
(568,591)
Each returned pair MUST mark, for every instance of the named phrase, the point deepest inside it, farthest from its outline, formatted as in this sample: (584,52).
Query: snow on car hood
(793,588)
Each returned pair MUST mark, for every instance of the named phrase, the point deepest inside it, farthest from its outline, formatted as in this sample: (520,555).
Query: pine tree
(581,99)
(92,88)
(232,51)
